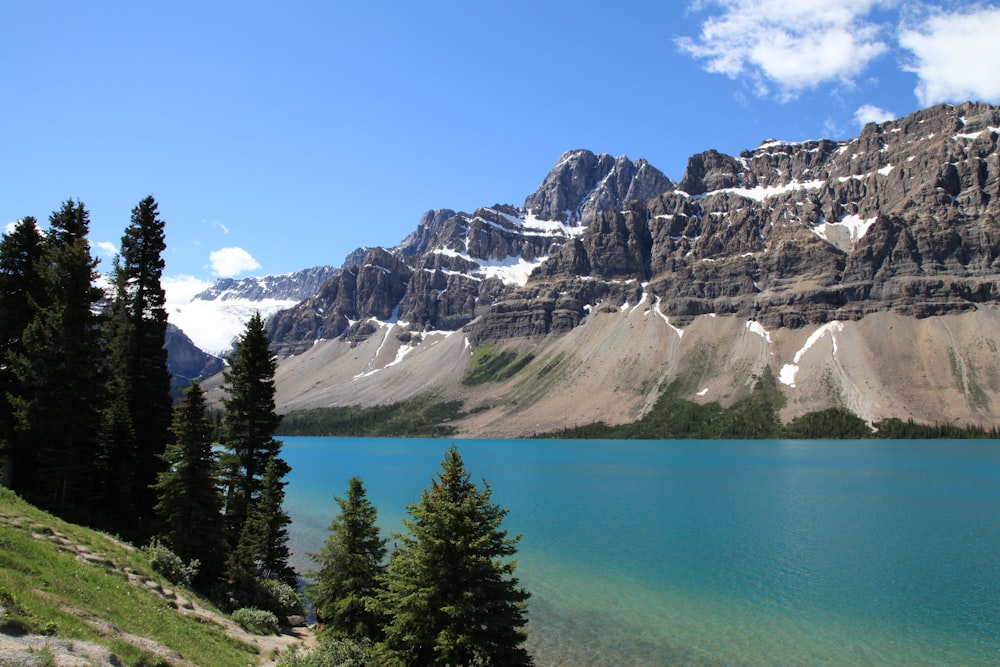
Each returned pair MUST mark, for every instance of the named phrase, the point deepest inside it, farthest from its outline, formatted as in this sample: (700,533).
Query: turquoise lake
(715,552)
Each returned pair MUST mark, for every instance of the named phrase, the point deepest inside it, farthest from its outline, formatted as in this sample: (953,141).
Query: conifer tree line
(88,427)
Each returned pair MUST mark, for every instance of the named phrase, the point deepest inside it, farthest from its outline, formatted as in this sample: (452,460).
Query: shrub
(270,595)
(169,564)
(340,652)
(280,598)
(257,621)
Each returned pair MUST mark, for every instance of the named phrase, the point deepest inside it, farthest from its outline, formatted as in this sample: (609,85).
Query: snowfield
(214,325)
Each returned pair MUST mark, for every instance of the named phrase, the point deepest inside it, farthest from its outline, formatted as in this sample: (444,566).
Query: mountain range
(864,274)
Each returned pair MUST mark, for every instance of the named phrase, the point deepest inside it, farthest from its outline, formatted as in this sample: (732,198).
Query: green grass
(48,590)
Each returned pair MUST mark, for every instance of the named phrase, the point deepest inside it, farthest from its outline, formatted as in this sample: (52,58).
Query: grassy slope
(67,581)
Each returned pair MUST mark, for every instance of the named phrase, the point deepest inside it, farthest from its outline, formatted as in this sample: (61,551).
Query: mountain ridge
(455,264)
(787,237)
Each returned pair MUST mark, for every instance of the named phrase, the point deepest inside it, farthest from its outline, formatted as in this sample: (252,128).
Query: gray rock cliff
(902,218)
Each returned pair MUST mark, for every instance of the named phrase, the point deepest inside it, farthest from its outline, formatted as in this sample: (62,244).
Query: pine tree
(351,564)
(21,294)
(249,423)
(190,504)
(60,368)
(263,547)
(450,596)
(138,426)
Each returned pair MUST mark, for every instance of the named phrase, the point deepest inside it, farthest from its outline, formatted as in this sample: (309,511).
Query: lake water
(715,552)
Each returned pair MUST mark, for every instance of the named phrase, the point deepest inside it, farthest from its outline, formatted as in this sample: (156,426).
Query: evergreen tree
(138,426)
(21,294)
(449,594)
(249,423)
(263,547)
(60,368)
(190,504)
(351,564)
(115,467)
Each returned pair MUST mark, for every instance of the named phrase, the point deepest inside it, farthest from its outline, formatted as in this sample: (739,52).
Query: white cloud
(181,289)
(227,262)
(869,113)
(956,55)
(109,249)
(9,227)
(792,44)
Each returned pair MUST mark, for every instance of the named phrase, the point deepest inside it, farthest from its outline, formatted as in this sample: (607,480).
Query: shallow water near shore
(714,552)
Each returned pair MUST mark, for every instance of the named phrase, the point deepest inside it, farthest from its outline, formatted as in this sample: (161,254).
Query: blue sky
(279,136)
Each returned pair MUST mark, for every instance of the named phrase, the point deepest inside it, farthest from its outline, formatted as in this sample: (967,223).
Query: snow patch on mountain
(666,320)
(510,270)
(532,223)
(789,371)
(760,193)
(756,327)
(856,227)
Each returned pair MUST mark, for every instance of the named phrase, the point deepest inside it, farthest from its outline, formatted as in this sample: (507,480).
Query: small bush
(170,565)
(257,621)
(340,652)
(280,598)
(270,595)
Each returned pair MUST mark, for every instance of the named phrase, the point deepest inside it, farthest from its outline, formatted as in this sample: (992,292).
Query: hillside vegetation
(70,593)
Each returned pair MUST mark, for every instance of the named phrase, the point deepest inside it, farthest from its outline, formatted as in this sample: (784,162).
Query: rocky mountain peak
(455,265)
(710,170)
(583,183)
(420,239)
